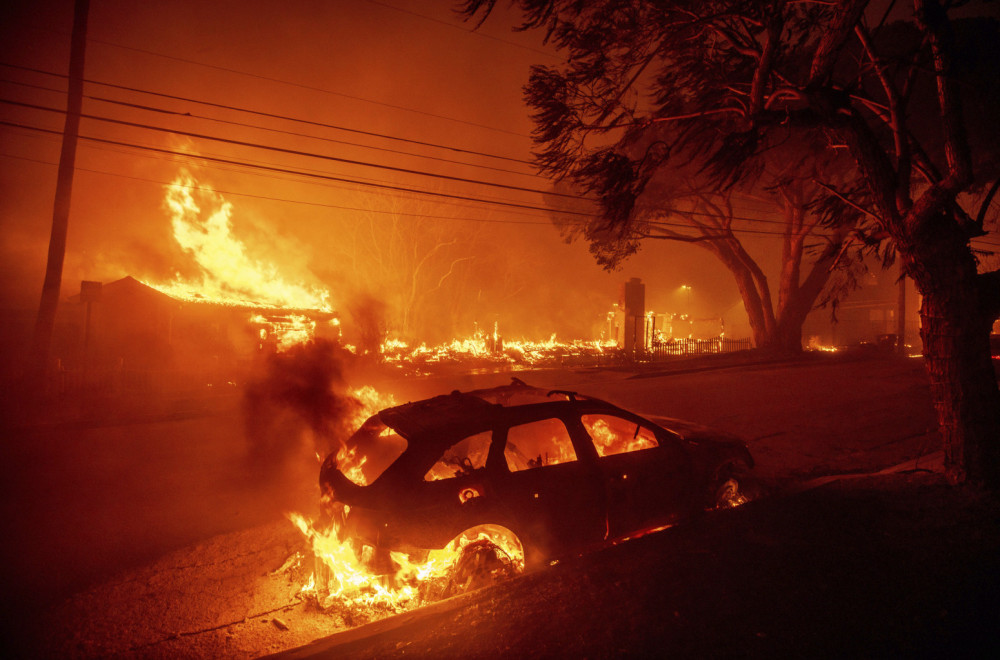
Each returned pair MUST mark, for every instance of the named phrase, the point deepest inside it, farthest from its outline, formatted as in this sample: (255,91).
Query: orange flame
(347,579)
(491,348)
(345,572)
(202,225)
(229,275)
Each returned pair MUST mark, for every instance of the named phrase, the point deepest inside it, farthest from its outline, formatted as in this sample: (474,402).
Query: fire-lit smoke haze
(422,209)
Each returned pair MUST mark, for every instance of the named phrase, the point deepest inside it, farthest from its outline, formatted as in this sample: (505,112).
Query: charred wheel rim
(731,488)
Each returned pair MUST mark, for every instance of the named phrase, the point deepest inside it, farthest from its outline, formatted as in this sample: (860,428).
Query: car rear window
(616,435)
(462,457)
(537,444)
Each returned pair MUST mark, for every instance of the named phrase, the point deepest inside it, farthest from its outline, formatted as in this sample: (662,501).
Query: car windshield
(368,452)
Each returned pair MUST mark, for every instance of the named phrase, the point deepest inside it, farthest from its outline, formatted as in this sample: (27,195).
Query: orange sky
(359,65)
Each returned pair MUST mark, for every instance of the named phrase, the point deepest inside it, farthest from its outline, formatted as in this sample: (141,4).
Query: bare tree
(416,265)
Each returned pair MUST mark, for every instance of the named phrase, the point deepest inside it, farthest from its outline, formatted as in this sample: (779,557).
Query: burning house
(130,330)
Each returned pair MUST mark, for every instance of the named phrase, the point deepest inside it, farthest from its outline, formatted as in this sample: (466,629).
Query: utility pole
(45,321)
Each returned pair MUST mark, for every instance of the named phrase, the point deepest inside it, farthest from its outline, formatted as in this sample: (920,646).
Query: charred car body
(558,472)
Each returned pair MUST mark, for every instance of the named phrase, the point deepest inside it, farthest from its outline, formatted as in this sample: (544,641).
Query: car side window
(536,444)
(461,458)
(616,435)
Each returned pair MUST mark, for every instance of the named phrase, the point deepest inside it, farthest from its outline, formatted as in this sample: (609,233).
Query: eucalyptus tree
(732,78)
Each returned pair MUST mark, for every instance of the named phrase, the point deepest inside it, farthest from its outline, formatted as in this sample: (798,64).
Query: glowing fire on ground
(491,348)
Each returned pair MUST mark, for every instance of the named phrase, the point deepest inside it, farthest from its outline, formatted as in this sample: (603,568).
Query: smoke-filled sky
(399,85)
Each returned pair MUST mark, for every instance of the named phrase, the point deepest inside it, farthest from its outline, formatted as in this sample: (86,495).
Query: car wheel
(481,564)
(731,488)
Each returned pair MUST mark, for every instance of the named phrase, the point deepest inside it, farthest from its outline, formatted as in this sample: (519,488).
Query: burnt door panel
(455,493)
(644,479)
(556,499)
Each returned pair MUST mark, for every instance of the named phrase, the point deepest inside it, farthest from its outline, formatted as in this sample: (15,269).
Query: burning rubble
(493,349)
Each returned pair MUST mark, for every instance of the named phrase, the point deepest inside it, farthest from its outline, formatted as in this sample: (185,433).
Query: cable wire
(270,115)
(295,152)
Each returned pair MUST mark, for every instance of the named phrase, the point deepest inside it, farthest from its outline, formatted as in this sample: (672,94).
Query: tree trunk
(955,333)
(754,305)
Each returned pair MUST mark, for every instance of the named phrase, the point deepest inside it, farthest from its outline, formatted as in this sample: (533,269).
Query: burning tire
(482,563)
(731,487)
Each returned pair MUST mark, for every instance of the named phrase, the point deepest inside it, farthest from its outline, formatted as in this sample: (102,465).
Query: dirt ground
(154,539)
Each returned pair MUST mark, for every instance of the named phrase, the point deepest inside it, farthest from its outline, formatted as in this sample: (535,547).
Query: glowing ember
(730,497)
(493,349)
(284,331)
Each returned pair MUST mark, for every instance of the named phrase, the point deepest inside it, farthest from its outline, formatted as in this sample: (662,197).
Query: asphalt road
(83,502)
(884,567)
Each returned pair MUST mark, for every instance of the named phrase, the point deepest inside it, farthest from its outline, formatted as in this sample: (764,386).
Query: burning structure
(127,333)
(644,335)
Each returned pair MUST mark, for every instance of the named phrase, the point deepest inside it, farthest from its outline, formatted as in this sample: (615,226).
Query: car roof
(460,414)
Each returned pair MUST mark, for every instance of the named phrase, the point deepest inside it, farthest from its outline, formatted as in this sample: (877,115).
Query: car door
(456,493)
(644,479)
(554,496)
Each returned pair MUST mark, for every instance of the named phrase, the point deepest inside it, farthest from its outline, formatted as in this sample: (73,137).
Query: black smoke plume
(298,403)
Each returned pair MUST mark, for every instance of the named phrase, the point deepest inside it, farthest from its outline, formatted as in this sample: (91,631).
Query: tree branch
(896,123)
(762,73)
(847,15)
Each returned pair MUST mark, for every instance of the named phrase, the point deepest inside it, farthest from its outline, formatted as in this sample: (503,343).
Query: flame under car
(553,473)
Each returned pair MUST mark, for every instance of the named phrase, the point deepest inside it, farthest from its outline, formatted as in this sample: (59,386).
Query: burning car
(535,475)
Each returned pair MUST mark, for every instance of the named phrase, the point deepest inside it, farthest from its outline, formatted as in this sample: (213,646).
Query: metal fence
(682,347)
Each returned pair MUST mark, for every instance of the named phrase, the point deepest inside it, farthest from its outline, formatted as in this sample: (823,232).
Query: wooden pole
(45,321)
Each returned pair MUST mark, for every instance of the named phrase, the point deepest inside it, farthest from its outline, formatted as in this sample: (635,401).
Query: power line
(358,209)
(460,179)
(375,165)
(269,115)
(241,167)
(190,115)
(364,163)
(295,152)
(286,200)
(283,170)
(309,87)
(328,177)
